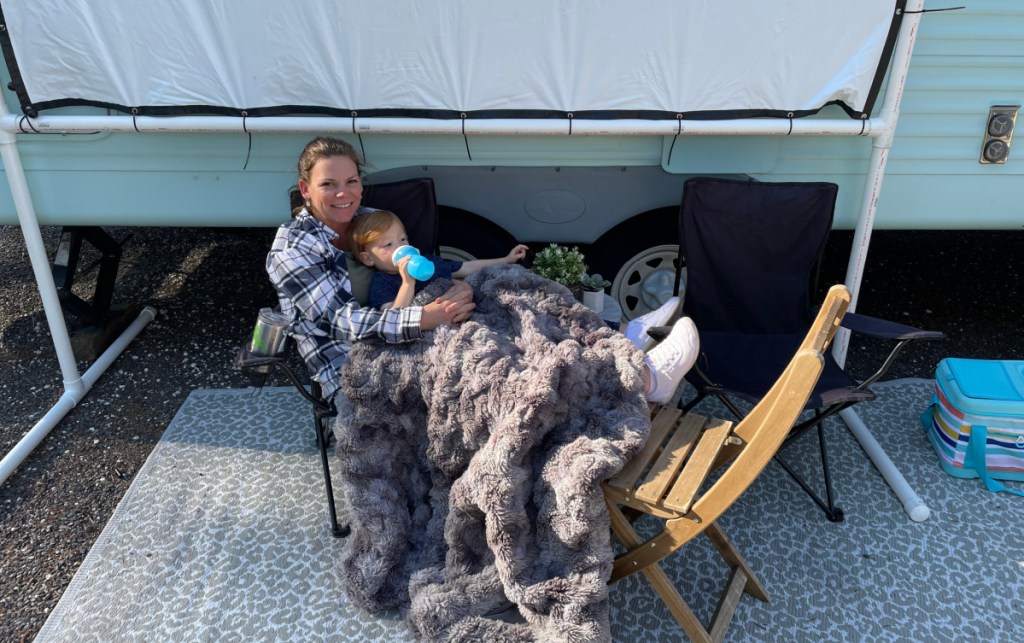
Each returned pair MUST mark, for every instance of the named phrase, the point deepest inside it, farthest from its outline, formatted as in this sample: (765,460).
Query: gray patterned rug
(222,537)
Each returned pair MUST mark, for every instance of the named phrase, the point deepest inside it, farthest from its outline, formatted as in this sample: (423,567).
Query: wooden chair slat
(680,498)
(671,460)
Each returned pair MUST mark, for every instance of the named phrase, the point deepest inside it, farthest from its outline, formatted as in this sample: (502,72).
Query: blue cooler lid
(984,386)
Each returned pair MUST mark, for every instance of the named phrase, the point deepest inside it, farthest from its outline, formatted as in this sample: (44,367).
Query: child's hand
(516,254)
(403,270)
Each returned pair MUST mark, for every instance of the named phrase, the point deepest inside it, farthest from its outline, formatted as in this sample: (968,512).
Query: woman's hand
(516,254)
(459,292)
(451,308)
(458,300)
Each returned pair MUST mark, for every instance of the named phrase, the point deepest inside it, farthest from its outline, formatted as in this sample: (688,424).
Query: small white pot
(594,300)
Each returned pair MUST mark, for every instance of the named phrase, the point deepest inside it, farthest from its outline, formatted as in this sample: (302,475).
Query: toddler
(374,237)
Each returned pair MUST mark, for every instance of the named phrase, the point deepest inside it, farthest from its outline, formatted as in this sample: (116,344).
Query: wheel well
(625,239)
(472,233)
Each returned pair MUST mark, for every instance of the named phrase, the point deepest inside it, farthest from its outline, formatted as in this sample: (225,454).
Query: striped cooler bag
(976,420)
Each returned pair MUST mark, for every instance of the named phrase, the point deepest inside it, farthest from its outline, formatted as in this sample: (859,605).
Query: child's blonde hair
(369,227)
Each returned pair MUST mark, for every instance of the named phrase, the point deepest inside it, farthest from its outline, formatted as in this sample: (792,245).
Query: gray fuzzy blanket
(472,461)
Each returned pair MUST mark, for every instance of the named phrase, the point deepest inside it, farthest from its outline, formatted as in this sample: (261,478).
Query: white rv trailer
(570,121)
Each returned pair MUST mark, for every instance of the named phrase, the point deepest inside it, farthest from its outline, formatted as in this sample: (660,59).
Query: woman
(307,266)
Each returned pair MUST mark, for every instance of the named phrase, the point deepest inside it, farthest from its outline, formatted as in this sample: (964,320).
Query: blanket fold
(472,459)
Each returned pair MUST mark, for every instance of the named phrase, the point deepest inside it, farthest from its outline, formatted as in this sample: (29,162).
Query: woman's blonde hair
(367,228)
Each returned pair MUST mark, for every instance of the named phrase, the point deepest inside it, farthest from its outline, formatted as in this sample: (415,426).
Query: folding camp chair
(752,253)
(414,201)
(666,479)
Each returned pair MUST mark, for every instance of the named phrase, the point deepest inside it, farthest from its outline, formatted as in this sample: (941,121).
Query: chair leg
(832,512)
(322,426)
(685,408)
(736,412)
(727,605)
(835,514)
(728,551)
(827,505)
(659,580)
(684,616)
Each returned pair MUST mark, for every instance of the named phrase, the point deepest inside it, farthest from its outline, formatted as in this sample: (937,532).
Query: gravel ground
(208,284)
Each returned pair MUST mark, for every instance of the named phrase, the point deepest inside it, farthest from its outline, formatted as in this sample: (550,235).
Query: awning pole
(882,138)
(61,124)
(75,387)
(39,260)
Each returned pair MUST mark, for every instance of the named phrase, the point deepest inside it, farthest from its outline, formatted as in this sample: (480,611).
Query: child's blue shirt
(384,287)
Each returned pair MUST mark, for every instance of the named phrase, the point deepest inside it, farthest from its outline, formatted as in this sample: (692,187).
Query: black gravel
(208,284)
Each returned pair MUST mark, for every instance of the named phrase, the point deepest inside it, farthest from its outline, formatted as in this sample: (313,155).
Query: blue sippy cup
(419,266)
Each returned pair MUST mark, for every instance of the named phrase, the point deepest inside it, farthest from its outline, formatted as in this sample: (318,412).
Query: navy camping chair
(752,253)
(414,201)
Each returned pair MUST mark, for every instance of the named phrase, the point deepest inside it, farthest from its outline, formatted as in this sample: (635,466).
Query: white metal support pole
(37,257)
(75,386)
(449,127)
(881,142)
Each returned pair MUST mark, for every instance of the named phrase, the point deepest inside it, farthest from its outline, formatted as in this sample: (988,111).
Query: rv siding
(964,62)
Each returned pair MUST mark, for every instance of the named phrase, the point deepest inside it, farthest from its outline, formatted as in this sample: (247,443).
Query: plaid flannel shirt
(314,289)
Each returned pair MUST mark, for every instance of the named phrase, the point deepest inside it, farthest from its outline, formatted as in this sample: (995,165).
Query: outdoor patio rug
(222,536)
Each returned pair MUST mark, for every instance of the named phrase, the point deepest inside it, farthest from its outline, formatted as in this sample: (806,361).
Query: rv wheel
(646,280)
(644,272)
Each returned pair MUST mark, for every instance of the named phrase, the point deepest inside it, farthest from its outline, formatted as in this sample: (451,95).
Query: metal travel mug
(269,334)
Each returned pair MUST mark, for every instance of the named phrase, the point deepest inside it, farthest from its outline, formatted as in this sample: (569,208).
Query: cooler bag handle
(975,459)
(927,416)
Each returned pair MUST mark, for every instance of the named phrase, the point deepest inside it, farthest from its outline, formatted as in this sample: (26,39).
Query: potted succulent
(593,291)
(561,264)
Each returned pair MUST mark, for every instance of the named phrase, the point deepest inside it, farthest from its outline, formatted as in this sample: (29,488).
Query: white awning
(413,58)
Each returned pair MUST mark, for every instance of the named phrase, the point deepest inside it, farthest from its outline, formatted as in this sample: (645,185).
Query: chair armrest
(263,364)
(884,329)
(247,359)
(871,326)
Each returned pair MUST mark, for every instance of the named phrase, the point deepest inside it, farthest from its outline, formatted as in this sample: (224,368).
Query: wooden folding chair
(666,479)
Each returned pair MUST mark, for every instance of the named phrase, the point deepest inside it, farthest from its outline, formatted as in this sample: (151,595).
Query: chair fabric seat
(733,369)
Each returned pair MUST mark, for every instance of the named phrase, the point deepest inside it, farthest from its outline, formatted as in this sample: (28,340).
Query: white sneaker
(670,360)
(636,329)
